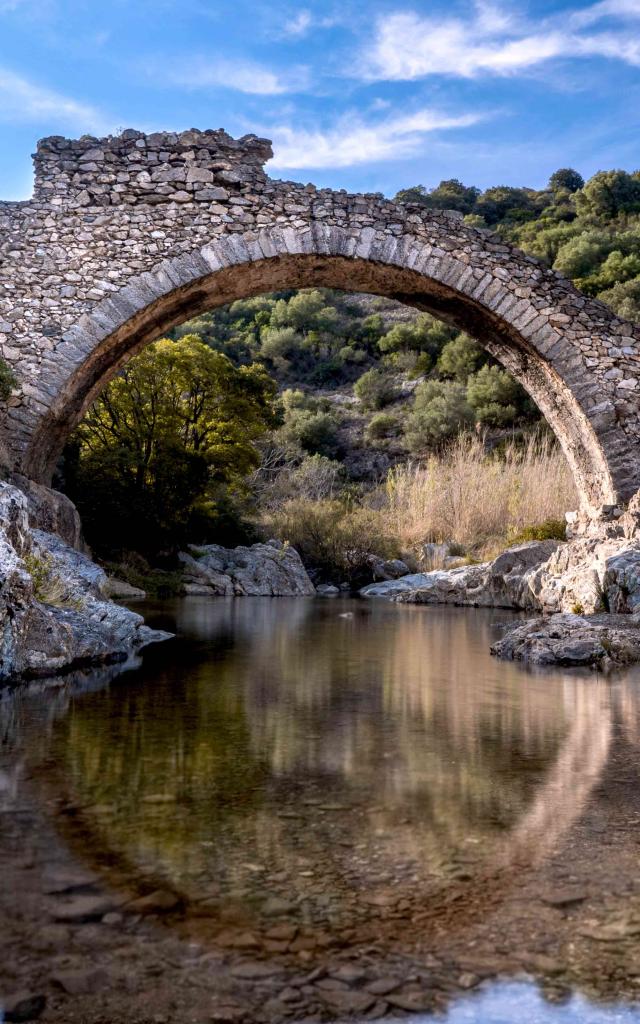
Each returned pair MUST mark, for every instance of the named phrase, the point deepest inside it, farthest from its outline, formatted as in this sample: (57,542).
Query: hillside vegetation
(347,414)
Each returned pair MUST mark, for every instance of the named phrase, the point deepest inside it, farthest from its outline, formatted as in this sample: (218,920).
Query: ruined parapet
(134,168)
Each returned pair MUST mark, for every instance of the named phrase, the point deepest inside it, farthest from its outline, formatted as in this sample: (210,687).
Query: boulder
(502,583)
(121,590)
(53,613)
(261,570)
(601,640)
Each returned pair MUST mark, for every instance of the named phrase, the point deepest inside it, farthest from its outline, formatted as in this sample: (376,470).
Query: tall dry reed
(479,500)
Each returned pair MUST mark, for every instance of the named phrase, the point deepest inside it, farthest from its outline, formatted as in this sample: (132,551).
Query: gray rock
(262,570)
(122,590)
(53,613)
(327,590)
(82,982)
(569,639)
(22,1006)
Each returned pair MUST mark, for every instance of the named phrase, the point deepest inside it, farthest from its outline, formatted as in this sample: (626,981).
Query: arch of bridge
(126,237)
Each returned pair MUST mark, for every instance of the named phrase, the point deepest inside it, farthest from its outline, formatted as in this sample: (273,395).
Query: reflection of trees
(429,744)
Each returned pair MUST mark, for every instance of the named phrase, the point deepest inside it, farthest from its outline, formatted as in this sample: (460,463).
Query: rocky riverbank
(54,612)
(587,586)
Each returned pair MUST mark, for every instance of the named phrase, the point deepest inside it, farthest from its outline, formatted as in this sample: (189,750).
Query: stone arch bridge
(126,237)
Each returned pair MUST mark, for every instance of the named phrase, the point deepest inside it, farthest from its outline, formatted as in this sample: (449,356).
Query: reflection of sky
(513,1003)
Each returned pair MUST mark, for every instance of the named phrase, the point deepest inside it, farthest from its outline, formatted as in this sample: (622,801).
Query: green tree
(165,438)
(608,194)
(566,180)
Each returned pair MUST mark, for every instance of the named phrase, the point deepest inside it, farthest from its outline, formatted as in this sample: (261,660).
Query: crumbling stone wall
(126,237)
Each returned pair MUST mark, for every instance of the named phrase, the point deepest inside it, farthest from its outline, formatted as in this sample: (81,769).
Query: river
(305,810)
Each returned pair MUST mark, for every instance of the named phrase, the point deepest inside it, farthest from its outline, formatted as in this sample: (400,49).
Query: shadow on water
(316,778)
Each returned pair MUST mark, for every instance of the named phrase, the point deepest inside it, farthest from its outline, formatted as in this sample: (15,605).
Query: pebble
(83,908)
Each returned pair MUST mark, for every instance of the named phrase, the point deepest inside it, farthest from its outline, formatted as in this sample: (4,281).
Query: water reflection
(331,761)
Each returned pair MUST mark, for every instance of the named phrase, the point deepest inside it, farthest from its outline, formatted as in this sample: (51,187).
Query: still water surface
(354,770)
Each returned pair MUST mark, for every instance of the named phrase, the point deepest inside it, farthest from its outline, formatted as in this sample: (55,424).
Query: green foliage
(335,538)
(550,529)
(566,180)
(608,194)
(440,410)
(374,389)
(459,358)
(166,437)
(7,381)
(494,396)
(315,432)
(383,424)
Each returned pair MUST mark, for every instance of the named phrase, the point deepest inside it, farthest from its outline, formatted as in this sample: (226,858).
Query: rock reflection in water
(327,761)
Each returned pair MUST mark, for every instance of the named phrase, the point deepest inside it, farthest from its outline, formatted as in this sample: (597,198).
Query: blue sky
(369,96)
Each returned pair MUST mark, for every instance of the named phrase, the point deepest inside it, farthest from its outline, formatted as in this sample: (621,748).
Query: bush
(7,381)
(440,410)
(384,424)
(374,389)
(333,538)
(460,358)
(314,432)
(494,396)
(317,477)
(550,529)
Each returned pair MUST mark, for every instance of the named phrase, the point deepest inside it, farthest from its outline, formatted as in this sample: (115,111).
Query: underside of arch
(555,398)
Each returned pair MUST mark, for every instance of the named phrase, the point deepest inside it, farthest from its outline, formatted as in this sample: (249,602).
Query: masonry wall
(107,212)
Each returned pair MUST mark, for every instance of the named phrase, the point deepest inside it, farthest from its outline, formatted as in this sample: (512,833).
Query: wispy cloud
(353,141)
(241,76)
(22,100)
(302,22)
(491,40)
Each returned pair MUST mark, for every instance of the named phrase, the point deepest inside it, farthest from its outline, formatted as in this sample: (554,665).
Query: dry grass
(480,502)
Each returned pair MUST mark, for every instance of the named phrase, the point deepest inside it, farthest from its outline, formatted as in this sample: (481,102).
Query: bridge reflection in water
(365,772)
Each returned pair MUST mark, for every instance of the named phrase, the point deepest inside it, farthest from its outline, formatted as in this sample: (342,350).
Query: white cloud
(407,46)
(303,22)
(242,76)
(353,141)
(22,100)
(299,25)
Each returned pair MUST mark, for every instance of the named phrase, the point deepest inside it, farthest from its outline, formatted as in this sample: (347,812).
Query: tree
(566,180)
(170,433)
(450,194)
(608,194)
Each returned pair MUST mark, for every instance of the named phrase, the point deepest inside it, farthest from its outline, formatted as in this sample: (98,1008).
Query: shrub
(375,389)
(7,381)
(494,396)
(314,432)
(440,410)
(460,358)
(384,424)
(316,477)
(334,538)
(550,529)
